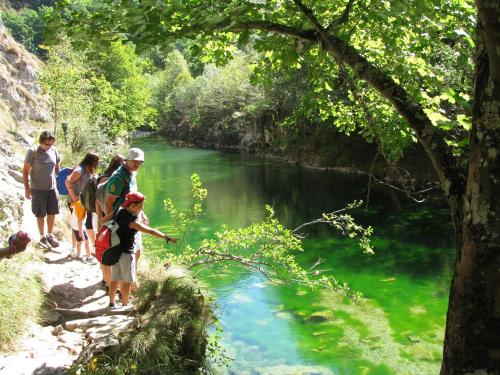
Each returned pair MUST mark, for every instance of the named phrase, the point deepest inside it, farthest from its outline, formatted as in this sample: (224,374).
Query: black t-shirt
(123,218)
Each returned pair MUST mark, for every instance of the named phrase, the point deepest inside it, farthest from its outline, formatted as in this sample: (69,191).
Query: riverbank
(351,155)
(54,317)
(75,330)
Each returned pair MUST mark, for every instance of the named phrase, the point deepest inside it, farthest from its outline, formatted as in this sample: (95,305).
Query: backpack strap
(126,190)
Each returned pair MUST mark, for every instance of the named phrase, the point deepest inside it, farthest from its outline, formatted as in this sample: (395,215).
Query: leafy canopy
(423,45)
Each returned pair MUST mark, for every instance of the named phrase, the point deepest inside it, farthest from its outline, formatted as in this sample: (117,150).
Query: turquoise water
(397,328)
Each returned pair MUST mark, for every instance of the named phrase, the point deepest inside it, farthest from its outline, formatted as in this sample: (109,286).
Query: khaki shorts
(124,269)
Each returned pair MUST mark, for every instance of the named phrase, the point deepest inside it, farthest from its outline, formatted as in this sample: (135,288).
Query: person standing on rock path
(124,271)
(41,165)
(100,206)
(121,182)
(75,182)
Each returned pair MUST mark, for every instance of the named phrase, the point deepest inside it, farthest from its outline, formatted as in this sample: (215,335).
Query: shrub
(172,337)
(26,28)
(20,300)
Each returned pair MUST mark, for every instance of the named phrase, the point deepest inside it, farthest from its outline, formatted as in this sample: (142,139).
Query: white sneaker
(114,306)
(126,308)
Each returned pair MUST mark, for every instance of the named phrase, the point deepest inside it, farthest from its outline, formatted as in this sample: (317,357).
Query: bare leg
(51,219)
(113,285)
(78,248)
(40,222)
(91,235)
(135,284)
(87,248)
(125,289)
(73,240)
(106,273)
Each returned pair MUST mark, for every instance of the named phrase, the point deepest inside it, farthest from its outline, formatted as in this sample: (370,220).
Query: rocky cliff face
(20,92)
(23,111)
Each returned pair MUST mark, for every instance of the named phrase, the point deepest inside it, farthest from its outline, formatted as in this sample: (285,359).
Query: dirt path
(76,316)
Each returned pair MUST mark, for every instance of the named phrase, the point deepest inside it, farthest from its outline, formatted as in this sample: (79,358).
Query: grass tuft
(20,300)
(172,336)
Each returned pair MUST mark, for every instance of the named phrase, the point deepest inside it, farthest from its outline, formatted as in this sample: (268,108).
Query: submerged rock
(292,370)
(319,317)
(284,315)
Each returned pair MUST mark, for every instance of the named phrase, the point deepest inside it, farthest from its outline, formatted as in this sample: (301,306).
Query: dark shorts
(88,219)
(44,202)
(77,235)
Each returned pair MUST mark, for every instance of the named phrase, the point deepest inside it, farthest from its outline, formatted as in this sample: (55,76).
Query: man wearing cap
(40,168)
(123,180)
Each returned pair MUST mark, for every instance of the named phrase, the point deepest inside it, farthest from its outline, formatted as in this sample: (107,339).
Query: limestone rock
(57,330)
(292,370)
(71,338)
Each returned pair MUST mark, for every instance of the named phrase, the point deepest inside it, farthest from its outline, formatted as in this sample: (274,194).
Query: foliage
(26,27)
(346,225)
(82,100)
(33,4)
(213,101)
(128,94)
(228,90)
(167,83)
(428,54)
(266,247)
(66,78)
(21,292)
(183,220)
(172,337)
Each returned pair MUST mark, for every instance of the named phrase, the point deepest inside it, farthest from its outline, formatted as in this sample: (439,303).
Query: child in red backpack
(124,270)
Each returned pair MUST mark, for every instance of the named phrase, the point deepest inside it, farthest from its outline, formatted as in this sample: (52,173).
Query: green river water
(398,327)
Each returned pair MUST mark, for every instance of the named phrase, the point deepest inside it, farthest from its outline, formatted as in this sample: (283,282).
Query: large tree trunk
(472,343)
(473,321)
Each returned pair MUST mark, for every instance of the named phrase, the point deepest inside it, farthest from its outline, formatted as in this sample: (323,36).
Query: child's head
(134,202)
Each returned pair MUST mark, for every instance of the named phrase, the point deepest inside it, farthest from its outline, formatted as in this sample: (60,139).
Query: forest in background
(417,70)
(236,97)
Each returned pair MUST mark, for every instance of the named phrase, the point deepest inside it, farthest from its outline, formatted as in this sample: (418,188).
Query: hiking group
(106,211)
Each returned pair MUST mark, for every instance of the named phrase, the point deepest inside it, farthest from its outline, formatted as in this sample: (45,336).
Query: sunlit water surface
(397,329)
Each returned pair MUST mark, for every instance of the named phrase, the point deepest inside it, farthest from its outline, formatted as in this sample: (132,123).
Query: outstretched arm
(154,232)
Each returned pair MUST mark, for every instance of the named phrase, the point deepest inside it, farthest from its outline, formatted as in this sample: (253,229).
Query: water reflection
(398,329)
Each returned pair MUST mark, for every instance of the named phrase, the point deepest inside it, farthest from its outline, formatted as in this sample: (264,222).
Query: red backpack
(107,244)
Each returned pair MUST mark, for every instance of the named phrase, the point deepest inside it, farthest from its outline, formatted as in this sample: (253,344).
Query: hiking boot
(52,241)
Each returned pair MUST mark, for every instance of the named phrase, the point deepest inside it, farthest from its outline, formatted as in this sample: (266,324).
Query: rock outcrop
(22,103)
(23,110)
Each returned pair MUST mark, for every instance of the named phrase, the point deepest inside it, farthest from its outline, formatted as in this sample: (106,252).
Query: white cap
(135,154)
